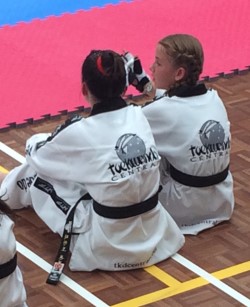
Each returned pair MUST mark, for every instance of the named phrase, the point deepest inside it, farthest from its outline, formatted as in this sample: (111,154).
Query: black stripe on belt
(198,181)
(8,268)
(128,211)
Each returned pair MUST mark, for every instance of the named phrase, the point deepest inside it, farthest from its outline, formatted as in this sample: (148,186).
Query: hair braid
(185,51)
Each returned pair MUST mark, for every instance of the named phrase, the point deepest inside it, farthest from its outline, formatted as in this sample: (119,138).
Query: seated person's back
(112,156)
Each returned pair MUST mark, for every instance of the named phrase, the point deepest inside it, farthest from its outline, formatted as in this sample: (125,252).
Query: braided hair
(185,51)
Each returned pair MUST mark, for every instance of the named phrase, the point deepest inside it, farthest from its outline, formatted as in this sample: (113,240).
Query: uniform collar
(188,91)
(112,104)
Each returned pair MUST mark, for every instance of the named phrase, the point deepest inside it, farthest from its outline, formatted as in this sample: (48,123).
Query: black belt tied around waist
(109,212)
(198,181)
(8,268)
(128,211)
(63,252)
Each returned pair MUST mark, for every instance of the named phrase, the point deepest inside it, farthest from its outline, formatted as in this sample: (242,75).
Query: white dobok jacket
(192,134)
(12,291)
(112,156)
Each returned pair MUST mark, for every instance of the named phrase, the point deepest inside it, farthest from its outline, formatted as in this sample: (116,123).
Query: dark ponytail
(104,73)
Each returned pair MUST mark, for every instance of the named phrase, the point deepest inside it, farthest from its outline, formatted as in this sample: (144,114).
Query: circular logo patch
(130,146)
(212,132)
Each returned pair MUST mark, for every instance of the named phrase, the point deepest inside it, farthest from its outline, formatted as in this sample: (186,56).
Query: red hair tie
(99,65)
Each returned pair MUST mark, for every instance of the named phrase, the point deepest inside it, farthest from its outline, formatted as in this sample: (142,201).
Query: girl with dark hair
(192,133)
(12,291)
(111,155)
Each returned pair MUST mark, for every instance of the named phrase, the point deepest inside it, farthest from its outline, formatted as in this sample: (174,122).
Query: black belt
(63,252)
(8,268)
(198,181)
(110,212)
(128,211)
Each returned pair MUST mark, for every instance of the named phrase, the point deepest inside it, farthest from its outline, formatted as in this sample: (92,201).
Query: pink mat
(41,61)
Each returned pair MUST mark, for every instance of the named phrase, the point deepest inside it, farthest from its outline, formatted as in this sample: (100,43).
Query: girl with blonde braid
(192,133)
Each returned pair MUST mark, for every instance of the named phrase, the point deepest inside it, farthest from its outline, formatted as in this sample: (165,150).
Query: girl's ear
(180,74)
(84,89)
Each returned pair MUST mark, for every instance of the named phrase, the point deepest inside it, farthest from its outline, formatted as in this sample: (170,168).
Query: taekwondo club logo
(134,156)
(212,136)
(130,146)
(212,132)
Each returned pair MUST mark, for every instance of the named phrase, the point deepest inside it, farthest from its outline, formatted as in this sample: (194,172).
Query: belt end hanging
(55,273)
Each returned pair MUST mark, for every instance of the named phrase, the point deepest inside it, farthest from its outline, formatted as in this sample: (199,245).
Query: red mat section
(40,61)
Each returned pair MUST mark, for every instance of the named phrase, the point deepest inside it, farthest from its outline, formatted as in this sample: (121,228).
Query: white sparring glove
(136,75)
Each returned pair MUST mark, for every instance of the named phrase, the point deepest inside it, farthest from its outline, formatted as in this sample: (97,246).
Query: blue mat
(14,11)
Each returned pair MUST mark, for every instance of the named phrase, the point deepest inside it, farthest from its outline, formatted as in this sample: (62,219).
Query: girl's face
(164,73)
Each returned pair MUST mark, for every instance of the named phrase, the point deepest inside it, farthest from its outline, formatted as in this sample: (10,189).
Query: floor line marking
(160,294)
(230,271)
(70,283)
(178,258)
(162,276)
(212,280)
(170,281)
(3,170)
(12,153)
(185,286)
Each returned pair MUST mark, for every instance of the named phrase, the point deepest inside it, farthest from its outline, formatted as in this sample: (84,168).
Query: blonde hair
(185,51)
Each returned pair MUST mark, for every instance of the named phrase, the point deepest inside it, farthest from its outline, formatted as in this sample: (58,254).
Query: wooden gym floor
(212,269)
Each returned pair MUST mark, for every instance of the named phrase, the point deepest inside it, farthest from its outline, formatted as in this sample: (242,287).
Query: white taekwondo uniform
(192,134)
(112,156)
(12,291)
